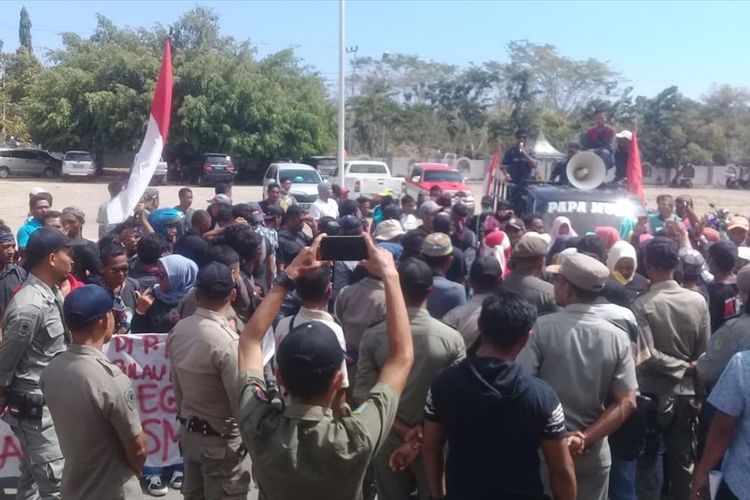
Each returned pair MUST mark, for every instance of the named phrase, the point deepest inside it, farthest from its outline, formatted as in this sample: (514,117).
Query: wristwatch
(283,279)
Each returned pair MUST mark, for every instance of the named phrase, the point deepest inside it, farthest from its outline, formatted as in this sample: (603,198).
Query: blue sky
(692,44)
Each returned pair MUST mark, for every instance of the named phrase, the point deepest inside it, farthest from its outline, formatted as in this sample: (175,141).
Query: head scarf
(181,273)
(560,221)
(497,245)
(608,235)
(626,226)
(621,250)
(557,246)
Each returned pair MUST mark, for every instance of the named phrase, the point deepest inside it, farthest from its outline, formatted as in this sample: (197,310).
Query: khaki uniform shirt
(465,317)
(676,326)
(203,360)
(535,290)
(94,409)
(33,333)
(584,358)
(303,451)
(436,346)
(358,307)
(731,338)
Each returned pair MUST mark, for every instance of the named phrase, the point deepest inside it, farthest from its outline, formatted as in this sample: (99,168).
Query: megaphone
(586,170)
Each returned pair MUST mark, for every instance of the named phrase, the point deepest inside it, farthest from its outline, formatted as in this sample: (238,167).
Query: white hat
(388,229)
(37,190)
(624,134)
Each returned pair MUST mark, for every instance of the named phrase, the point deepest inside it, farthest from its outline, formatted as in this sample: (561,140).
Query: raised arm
(401,354)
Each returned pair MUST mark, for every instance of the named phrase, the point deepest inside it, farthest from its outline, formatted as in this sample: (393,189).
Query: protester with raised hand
(305,451)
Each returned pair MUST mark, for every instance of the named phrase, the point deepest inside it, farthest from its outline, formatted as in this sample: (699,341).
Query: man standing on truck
(517,163)
(600,139)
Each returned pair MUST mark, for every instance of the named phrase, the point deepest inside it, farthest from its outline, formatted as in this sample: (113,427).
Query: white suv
(78,164)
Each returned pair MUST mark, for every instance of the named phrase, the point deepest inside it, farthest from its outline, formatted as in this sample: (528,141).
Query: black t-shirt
(290,244)
(519,167)
(723,302)
(457,272)
(494,417)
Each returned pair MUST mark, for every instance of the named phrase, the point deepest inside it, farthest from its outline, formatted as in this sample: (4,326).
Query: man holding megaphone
(517,163)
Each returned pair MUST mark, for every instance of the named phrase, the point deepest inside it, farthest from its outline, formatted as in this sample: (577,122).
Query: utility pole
(342,97)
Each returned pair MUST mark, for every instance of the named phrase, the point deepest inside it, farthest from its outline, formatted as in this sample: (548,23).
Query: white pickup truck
(369,178)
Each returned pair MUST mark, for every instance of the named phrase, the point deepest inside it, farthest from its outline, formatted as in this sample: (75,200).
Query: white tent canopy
(542,149)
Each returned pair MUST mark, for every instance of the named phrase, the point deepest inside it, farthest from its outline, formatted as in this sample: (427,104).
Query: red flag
(492,171)
(149,155)
(634,172)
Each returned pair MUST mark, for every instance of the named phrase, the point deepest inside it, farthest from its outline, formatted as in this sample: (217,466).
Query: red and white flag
(492,172)
(149,155)
(634,172)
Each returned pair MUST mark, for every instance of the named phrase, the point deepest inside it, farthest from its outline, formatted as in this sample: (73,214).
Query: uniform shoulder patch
(130,399)
(260,394)
(718,344)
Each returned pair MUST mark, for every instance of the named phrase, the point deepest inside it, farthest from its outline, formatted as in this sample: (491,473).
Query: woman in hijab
(558,245)
(608,235)
(157,310)
(497,245)
(622,261)
(561,227)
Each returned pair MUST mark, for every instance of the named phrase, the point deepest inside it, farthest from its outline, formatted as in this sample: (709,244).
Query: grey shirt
(94,409)
(731,338)
(358,307)
(584,358)
(436,346)
(33,333)
(535,290)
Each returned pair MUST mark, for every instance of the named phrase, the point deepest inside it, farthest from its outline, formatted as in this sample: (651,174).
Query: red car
(425,175)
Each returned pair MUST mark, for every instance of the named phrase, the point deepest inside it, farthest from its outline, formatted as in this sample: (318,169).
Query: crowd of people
(467,356)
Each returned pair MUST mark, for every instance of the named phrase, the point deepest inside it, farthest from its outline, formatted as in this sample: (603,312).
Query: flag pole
(342,96)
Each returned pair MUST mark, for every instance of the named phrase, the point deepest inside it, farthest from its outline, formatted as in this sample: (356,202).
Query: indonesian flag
(492,171)
(149,155)
(634,172)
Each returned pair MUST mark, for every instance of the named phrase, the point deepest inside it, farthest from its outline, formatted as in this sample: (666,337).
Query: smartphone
(343,248)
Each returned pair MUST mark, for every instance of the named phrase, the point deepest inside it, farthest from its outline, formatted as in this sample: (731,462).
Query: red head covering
(608,235)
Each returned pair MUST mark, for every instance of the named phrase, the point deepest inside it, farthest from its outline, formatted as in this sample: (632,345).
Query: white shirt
(320,208)
(306,315)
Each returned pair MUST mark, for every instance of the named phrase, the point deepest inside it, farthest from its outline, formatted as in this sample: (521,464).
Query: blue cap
(85,305)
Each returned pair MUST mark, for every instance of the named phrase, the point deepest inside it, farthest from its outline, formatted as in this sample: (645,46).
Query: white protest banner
(143,358)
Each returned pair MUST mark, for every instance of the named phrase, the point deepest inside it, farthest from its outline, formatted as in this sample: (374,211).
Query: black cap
(662,253)
(214,281)
(273,211)
(309,349)
(255,212)
(85,305)
(415,274)
(485,267)
(43,241)
(723,254)
(351,224)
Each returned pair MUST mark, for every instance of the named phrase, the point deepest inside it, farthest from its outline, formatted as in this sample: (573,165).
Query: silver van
(28,162)
(78,164)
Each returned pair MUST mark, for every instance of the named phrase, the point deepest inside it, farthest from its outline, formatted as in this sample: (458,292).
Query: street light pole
(342,96)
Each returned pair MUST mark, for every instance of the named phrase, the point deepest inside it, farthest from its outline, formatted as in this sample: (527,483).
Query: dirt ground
(87,196)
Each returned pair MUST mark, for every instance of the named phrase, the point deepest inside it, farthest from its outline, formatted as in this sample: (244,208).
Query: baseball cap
(415,274)
(220,199)
(743,279)
(256,213)
(84,305)
(624,134)
(44,241)
(215,281)
(309,349)
(150,193)
(389,229)
(273,211)
(37,190)
(351,224)
(530,245)
(738,222)
(428,207)
(437,245)
(723,253)
(584,272)
(485,267)
(692,262)
(515,223)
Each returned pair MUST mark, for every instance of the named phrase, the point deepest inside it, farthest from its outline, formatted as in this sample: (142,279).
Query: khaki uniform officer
(588,362)
(34,333)
(93,405)
(203,355)
(305,451)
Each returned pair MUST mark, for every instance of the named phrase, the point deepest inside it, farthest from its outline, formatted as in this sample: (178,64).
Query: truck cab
(423,176)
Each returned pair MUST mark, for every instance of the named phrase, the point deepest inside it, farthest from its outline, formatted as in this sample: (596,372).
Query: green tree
(24,30)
